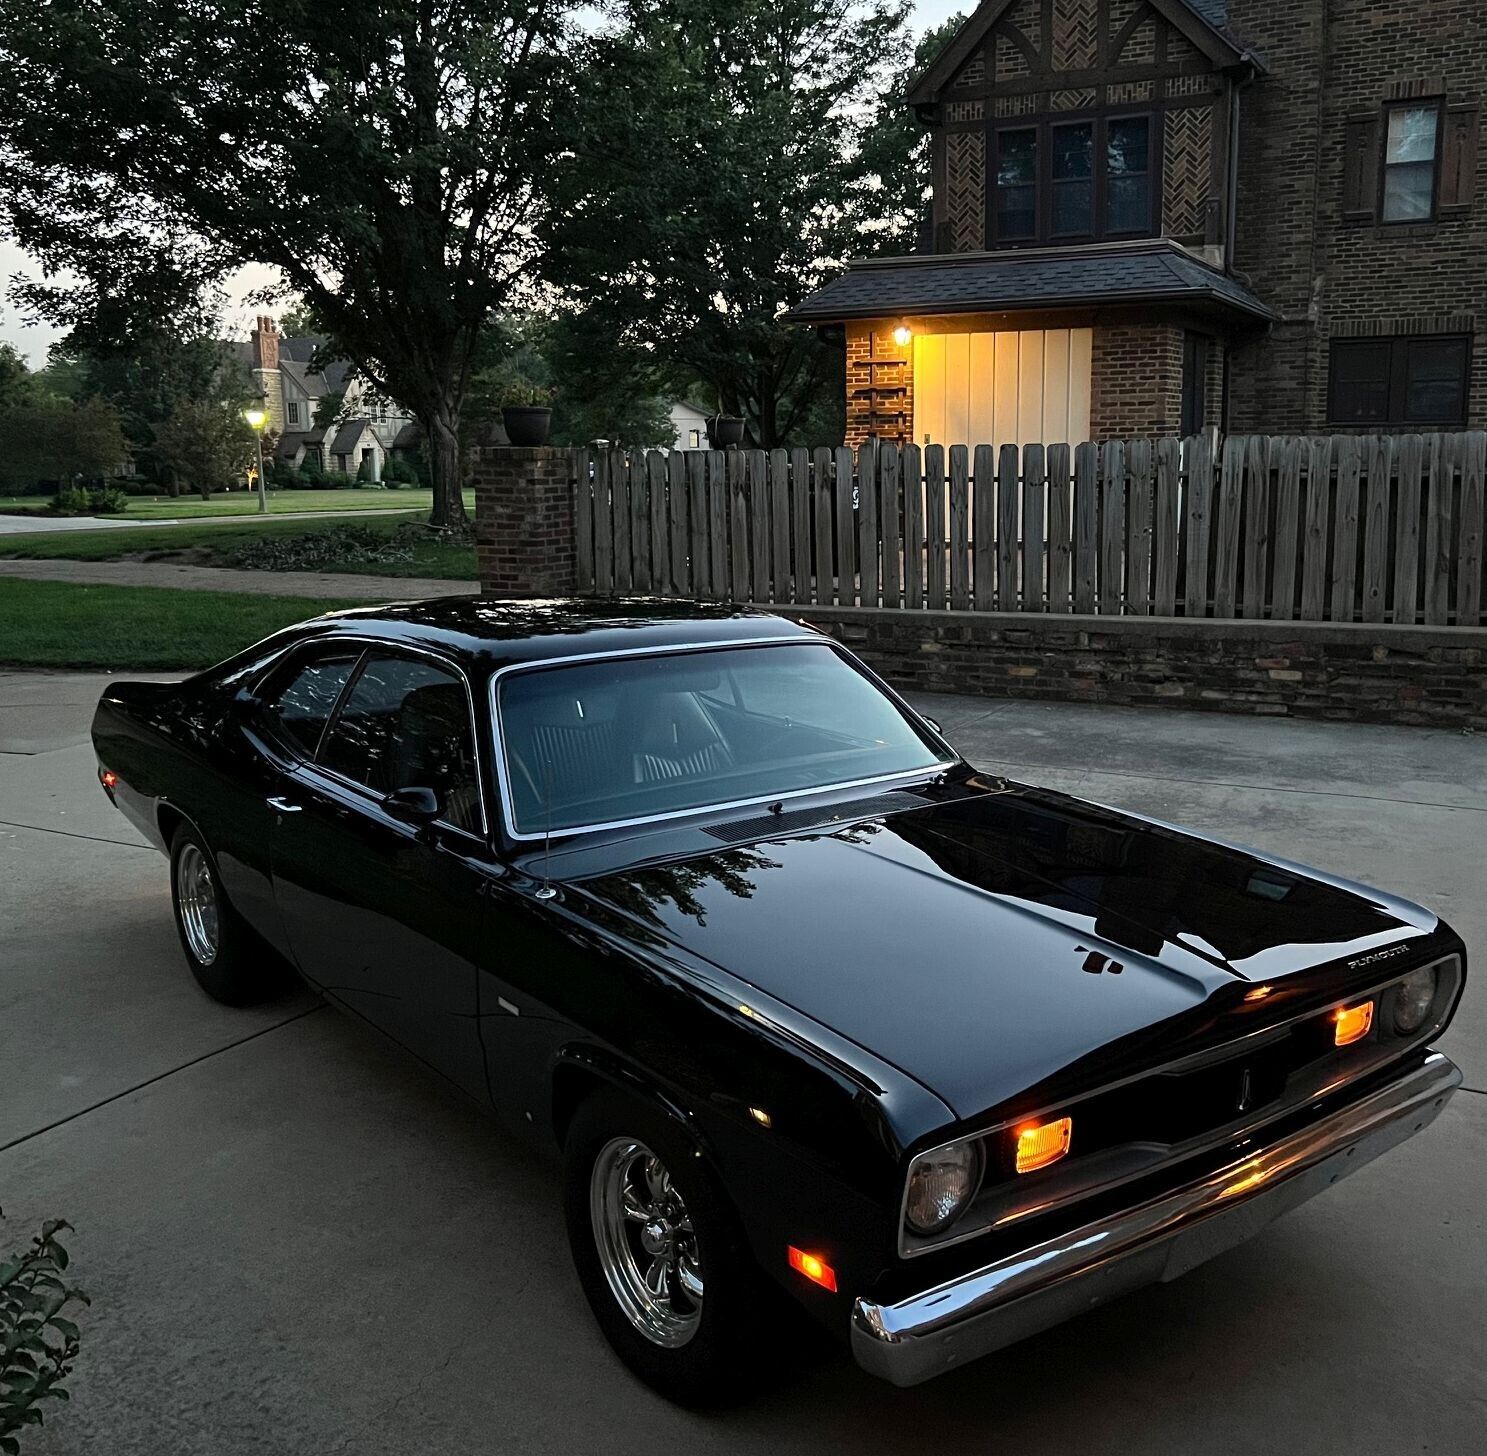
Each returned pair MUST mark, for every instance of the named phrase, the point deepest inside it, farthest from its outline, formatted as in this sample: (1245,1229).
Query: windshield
(625,738)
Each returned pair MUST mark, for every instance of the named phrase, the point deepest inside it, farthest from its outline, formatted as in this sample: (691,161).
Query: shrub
(337,480)
(399,472)
(333,546)
(96,500)
(38,1343)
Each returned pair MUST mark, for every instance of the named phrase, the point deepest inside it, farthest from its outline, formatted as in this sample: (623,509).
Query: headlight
(1413,998)
(941,1184)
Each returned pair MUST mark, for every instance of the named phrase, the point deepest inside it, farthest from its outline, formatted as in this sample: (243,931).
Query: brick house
(365,429)
(1156,216)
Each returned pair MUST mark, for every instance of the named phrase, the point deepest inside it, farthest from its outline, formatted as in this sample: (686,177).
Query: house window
(1128,175)
(1083,180)
(1411,143)
(1405,379)
(694,439)
(1017,183)
(1073,180)
(293,412)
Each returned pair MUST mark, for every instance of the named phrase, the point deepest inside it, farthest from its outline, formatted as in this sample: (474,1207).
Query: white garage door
(1020,388)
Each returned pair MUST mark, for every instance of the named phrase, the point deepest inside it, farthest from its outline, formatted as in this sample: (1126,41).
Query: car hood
(1002,941)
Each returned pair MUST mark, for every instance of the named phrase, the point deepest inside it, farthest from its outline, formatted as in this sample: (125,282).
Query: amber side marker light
(1352,1023)
(1039,1144)
(108,778)
(816,1269)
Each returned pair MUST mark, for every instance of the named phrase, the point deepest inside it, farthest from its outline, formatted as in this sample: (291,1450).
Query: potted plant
(724,430)
(527,414)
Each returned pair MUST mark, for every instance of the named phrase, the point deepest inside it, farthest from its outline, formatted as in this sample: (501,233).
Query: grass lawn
(58,624)
(243,503)
(225,543)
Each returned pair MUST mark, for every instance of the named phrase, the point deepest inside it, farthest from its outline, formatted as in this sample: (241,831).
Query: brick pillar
(524,530)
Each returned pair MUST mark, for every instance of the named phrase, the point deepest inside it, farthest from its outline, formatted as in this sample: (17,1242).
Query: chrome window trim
(364,644)
(1228,1133)
(498,737)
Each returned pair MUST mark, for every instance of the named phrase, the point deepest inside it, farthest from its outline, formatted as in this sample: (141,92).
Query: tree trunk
(442,426)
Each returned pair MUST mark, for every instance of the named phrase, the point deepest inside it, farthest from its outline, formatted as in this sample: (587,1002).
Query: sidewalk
(17,525)
(216,578)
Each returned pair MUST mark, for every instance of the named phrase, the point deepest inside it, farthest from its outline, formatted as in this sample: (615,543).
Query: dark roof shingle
(1148,272)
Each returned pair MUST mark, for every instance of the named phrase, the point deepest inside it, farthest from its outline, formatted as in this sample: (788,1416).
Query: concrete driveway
(296,1241)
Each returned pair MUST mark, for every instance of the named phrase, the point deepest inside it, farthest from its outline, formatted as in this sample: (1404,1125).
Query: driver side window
(406,724)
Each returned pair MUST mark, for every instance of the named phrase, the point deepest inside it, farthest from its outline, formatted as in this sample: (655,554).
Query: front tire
(660,1255)
(229,961)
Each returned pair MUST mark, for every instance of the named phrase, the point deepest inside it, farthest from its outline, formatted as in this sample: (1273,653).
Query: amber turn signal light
(816,1269)
(1039,1144)
(108,778)
(1352,1023)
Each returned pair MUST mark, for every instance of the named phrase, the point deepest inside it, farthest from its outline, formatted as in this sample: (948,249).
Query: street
(298,1241)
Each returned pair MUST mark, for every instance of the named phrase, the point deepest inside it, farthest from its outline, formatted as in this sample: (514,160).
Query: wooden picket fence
(1344,528)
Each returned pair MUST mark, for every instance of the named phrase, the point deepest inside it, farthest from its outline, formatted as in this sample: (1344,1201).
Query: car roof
(498,632)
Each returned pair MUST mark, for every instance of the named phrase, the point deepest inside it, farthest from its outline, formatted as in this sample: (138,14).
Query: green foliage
(59,441)
(286,476)
(15,378)
(527,395)
(399,153)
(598,386)
(339,546)
(398,472)
(330,410)
(716,179)
(38,1340)
(335,480)
(207,445)
(895,148)
(97,500)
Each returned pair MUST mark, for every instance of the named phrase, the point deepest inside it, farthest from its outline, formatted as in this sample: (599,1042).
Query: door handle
(283,806)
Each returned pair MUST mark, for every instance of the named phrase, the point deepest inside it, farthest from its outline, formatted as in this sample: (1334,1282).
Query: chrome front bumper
(1018,1296)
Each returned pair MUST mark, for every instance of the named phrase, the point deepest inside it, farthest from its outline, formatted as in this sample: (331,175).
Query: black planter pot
(725,430)
(527,424)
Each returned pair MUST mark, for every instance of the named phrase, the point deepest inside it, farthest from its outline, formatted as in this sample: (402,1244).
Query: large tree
(717,178)
(386,157)
(58,441)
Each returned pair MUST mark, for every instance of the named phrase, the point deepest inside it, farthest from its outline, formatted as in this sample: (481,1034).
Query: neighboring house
(364,430)
(1155,216)
(690,423)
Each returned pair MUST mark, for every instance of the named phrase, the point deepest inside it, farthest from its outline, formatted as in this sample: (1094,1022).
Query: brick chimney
(265,343)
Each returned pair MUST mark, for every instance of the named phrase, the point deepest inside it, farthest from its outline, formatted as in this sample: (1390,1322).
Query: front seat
(678,740)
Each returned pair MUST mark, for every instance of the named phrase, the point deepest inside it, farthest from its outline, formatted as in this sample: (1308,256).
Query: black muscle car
(817,1013)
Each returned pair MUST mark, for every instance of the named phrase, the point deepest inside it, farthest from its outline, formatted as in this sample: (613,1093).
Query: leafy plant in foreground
(38,1343)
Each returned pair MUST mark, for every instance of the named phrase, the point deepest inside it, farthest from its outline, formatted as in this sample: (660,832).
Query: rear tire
(662,1259)
(229,960)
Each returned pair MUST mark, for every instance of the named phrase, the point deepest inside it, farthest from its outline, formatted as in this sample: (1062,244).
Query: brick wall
(524,526)
(1328,276)
(874,359)
(1136,383)
(1430,676)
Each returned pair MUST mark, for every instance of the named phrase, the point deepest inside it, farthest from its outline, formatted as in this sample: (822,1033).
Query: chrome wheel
(196,899)
(647,1247)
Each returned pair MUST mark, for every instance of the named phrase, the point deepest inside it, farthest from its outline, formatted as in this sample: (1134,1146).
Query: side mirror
(413,805)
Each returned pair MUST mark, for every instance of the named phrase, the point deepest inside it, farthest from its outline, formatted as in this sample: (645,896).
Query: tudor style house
(1156,216)
(365,430)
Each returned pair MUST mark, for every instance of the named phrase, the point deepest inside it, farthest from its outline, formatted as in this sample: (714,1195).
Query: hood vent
(823,816)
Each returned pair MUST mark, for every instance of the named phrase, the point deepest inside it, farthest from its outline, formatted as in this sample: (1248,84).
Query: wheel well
(168,820)
(571,1085)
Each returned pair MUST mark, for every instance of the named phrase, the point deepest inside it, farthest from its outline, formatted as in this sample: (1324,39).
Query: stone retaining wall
(1429,676)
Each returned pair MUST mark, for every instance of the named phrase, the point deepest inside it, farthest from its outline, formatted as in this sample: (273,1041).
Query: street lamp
(257,418)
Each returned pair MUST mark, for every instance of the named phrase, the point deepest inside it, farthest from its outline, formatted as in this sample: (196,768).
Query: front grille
(1225,1097)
